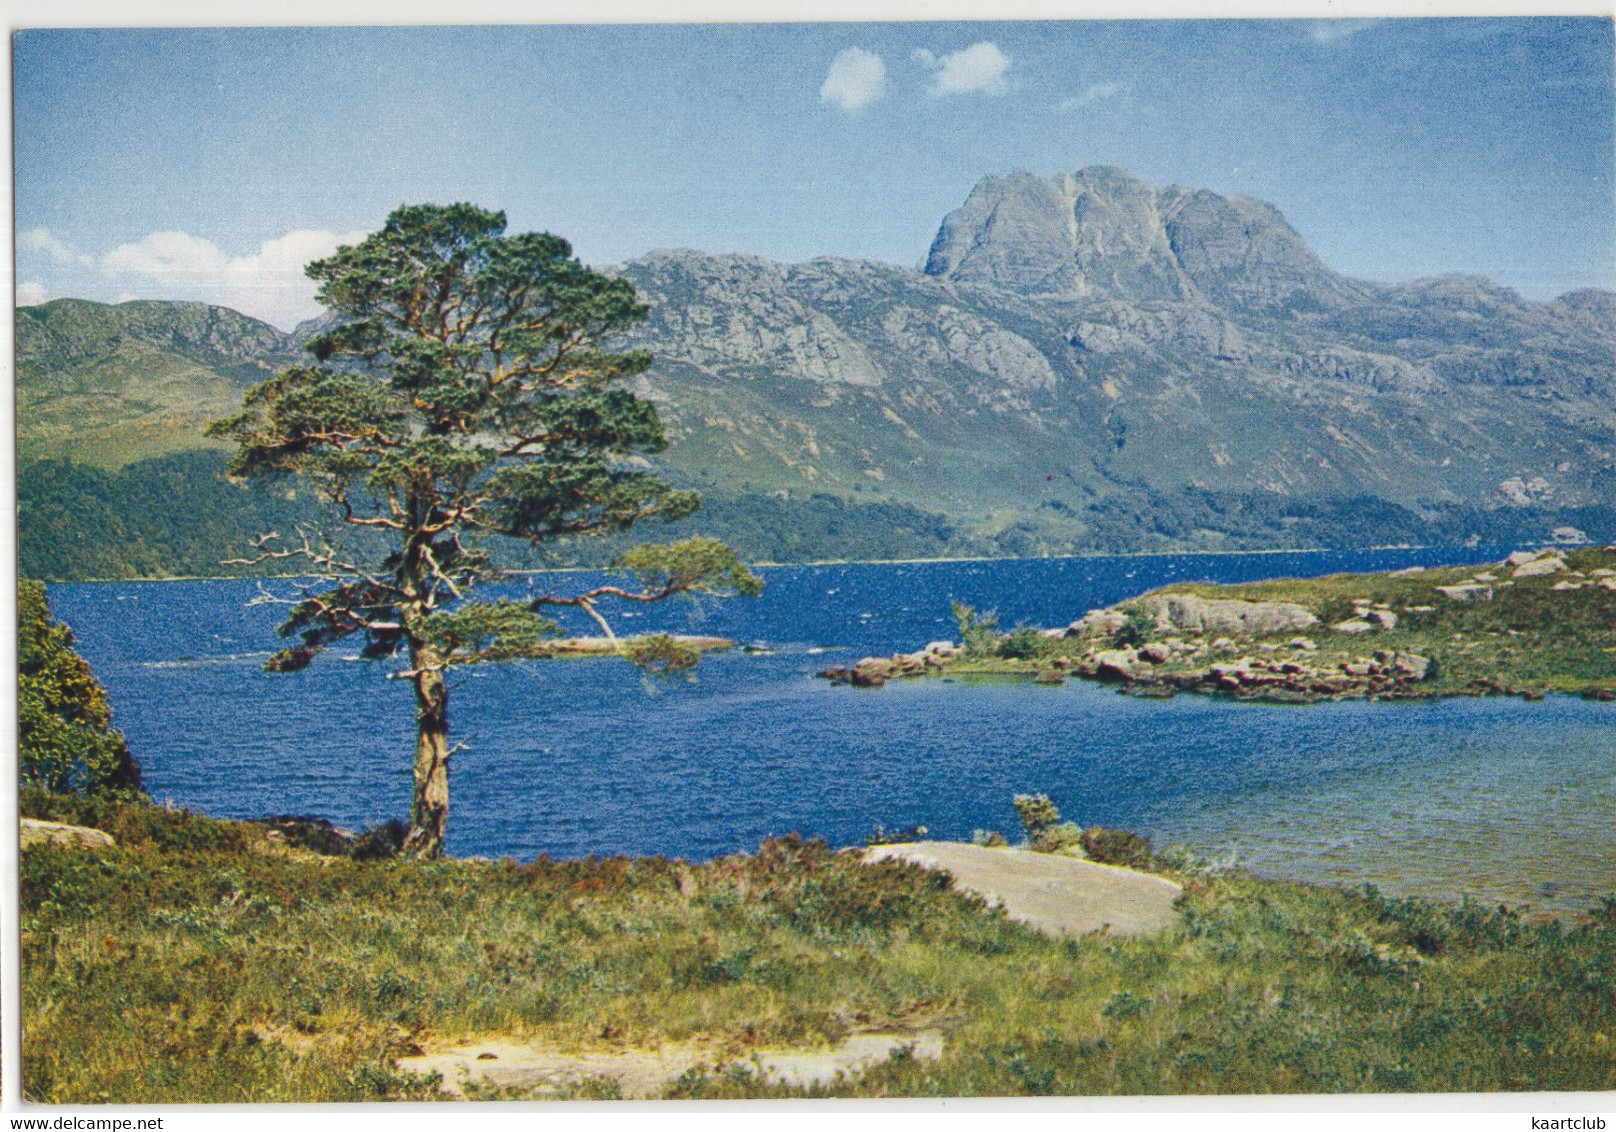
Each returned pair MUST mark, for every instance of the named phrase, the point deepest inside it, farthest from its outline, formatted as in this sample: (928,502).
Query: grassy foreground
(202,961)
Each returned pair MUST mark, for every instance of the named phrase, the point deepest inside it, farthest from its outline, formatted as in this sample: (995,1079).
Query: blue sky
(211,164)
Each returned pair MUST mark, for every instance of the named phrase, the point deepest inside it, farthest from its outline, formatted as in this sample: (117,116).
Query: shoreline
(325,838)
(765,565)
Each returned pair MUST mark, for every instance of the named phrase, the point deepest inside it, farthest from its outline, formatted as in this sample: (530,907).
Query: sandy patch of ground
(1052,893)
(642,1073)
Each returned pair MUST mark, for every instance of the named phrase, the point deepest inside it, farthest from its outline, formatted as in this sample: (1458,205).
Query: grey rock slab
(1541,567)
(35,832)
(1200,615)
(1466,593)
(1056,895)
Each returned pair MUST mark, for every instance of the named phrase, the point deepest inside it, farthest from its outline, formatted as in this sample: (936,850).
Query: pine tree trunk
(429,808)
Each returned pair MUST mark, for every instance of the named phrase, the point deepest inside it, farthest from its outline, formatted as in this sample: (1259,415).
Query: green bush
(1025,643)
(1118,847)
(1138,626)
(66,743)
(1046,833)
(1063,838)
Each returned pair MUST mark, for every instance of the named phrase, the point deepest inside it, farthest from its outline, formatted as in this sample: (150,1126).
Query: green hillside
(109,385)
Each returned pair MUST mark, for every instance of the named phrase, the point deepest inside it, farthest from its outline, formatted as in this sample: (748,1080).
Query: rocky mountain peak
(1104,233)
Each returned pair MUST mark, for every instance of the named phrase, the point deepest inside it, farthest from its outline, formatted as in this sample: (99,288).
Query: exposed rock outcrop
(875,671)
(1541,567)
(1192,614)
(1386,674)
(36,832)
(1471,592)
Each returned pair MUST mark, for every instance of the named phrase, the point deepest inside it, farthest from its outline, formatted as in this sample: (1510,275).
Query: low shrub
(885,836)
(1138,626)
(138,823)
(377,843)
(164,975)
(1025,643)
(1118,847)
(1065,838)
(1046,833)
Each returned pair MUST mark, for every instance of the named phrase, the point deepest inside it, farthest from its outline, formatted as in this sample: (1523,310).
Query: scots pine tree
(464,392)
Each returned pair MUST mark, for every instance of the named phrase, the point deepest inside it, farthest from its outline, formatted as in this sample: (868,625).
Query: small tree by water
(465,392)
(1041,818)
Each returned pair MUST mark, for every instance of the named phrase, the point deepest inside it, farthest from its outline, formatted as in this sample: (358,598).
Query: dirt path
(1054,894)
(536,1069)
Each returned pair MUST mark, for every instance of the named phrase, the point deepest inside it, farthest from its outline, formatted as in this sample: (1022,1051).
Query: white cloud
(856,78)
(168,255)
(977,69)
(268,283)
(291,253)
(1097,92)
(1334,31)
(41,240)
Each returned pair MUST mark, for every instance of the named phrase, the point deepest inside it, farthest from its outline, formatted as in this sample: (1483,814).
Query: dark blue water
(1501,798)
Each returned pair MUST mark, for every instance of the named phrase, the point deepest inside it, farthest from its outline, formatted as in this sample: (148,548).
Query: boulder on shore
(1541,567)
(875,671)
(1117,665)
(1097,623)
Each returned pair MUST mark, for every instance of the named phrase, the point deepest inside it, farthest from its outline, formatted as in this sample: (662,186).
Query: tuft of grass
(198,962)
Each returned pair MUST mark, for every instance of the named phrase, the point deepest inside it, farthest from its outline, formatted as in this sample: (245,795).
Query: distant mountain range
(1086,362)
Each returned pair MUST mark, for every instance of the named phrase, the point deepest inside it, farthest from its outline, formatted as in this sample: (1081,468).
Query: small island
(1541,621)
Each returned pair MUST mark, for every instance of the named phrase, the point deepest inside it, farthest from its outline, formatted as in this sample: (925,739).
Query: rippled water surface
(1502,799)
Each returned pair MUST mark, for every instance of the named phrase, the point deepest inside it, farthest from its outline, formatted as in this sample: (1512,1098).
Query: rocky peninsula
(1539,621)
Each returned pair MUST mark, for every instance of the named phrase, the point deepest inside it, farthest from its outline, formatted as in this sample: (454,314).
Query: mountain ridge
(1077,354)
(1358,379)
